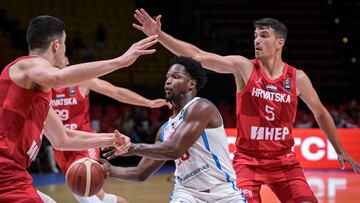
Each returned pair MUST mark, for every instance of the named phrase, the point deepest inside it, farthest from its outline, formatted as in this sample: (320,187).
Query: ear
(55,44)
(193,84)
(280,43)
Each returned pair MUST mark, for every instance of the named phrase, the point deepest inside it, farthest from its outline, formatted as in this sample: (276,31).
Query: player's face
(265,42)
(60,52)
(177,82)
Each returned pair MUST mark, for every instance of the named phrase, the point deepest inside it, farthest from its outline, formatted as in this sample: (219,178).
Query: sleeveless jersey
(265,111)
(73,109)
(22,116)
(207,162)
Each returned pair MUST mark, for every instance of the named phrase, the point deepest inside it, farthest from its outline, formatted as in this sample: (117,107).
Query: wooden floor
(329,187)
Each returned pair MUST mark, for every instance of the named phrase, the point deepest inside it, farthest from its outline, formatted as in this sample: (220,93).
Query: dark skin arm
(200,115)
(141,172)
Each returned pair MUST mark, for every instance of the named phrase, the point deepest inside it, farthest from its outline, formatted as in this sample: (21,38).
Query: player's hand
(346,158)
(147,25)
(137,49)
(121,143)
(106,166)
(156,103)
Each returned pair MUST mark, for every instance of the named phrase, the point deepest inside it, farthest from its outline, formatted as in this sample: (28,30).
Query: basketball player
(25,94)
(194,137)
(267,91)
(75,115)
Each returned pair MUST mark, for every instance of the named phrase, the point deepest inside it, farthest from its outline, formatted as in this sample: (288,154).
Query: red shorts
(16,184)
(287,181)
(65,158)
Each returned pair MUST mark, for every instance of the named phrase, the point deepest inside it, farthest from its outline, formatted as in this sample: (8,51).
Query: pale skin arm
(41,72)
(73,140)
(122,94)
(237,65)
(200,115)
(308,94)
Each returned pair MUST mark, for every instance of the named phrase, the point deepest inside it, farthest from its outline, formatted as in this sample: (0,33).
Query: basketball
(85,177)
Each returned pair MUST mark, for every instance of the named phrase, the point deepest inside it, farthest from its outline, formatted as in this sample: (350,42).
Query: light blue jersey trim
(162,131)
(216,159)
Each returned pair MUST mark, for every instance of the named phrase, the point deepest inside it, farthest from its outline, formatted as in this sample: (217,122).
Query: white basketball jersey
(206,163)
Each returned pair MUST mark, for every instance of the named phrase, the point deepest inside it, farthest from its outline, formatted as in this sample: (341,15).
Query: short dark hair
(42,30)
(192,67)
(277,25)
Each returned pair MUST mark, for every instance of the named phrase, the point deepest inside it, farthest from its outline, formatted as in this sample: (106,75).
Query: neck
(179,104)
(273,67)
(43,54)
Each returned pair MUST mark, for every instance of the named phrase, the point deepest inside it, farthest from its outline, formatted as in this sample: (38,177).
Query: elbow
(174,153)
(142,177)
(59,145)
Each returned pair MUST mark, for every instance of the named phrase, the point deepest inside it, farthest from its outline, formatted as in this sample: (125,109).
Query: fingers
(144,14)
(147,40)
(147,51)
(109,153)
(158,18)
(139,27)
(342,164)
(139,16)
(107,148)
(148,44)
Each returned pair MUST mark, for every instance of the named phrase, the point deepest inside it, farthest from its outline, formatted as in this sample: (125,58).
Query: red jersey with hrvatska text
(266,111)
(22,116)
(73,109)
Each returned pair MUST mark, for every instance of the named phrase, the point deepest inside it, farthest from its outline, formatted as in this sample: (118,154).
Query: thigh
(295,188)
(246,180)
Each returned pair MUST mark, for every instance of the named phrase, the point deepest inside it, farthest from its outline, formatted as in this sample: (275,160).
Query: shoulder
(202,107)
(36,62)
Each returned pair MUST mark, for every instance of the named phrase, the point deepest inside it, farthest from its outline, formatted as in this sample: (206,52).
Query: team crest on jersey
(60,96)
(271,87)
(72,90)
(287,84)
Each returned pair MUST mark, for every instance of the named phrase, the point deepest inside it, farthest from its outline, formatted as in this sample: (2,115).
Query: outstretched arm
(197,118)
(308,94)
(141,172)
(41,72)
(72,140)
(122,94)
(217,63)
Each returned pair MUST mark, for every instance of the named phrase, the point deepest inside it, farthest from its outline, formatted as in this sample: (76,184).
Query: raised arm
(217,63)
(41,72)
(308,94)
(72,140)
(198,117)
(122,94)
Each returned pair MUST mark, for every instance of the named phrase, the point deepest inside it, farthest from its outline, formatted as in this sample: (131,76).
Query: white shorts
(225,193)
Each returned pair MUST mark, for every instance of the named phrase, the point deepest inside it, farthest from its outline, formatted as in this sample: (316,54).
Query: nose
(168,81)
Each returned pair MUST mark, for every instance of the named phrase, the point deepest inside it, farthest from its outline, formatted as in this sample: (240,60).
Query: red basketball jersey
(265,113)
(22,116)
(73,109)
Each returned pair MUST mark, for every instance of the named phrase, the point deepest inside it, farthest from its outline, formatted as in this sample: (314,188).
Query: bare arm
(70,140)
(41,72)
(217,63)
(122,94)
(198,117)
(141,172)
(308,94)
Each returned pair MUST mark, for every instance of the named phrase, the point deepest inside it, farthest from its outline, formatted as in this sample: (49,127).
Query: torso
(265,111)
(207,162)
(23,113)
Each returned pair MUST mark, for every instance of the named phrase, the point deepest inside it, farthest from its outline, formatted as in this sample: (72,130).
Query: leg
(247,183)
(294,188)
(46,198)
(110,198)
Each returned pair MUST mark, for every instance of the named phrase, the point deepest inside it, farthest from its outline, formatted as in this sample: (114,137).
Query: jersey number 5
(270,111)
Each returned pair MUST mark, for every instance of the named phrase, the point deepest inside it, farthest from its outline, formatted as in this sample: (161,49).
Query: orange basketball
(85,177)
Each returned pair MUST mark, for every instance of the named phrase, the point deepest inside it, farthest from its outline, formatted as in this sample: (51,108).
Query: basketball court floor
(328,186)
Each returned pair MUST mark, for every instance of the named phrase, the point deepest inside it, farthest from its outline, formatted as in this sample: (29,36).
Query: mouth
(167,89)
(258,49)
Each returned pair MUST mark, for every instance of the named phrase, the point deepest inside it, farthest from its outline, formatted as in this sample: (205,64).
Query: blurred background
(323,41)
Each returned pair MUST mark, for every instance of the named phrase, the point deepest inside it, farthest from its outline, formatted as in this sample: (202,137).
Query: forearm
(178,47)
(130,97)
(327,125)
(85,71)
(79,140)
(131,174)
(157,151)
